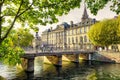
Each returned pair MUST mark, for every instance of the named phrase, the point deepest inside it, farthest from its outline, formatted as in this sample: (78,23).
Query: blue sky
(76,14)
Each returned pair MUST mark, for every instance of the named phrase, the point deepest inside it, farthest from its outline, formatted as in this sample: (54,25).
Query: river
(69,71)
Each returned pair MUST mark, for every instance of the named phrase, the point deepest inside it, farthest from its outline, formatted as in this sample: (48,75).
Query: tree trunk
(0,22)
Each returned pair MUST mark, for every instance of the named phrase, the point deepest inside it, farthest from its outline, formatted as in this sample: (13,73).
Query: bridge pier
(59,62)
(76,58)
(30,65)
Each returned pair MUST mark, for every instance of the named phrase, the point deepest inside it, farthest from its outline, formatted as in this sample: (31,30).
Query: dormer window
(80,30)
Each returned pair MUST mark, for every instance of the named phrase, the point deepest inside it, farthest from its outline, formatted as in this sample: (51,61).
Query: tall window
(81,39)
(66,32)
(72,39)
(72,31)
(68,40)
(85,29)
(88,27)
(76,40)
(76,31)
(85,38)
(80,30)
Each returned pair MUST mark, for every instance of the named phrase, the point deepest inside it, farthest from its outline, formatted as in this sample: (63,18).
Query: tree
(11,47)
(22,37)
(9,53)
(32,12)
(96,5)
(105,33)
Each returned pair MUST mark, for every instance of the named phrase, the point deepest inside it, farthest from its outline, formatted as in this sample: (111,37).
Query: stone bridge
(54,57)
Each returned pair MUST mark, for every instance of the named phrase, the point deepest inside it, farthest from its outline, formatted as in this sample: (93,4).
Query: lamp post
(36,42)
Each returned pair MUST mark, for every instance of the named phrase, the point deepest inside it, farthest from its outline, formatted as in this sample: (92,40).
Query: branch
(26,9)
(40,7)
(2,16)
(16,16)
(2,2)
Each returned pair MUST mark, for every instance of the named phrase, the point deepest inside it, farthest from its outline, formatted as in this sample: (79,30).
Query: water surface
(69,71)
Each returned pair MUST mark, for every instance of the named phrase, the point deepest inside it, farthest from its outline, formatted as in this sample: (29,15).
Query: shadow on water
(82,71)
(51,72)
(68,71)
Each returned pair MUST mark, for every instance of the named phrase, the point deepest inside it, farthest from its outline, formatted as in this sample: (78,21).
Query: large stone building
(70,36)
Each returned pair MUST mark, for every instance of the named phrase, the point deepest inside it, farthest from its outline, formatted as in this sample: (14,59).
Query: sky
(76,14)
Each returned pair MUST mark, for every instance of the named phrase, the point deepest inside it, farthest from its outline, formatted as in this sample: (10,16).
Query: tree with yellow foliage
(105,33)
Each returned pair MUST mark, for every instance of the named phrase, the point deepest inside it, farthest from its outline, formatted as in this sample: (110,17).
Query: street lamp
(36,42)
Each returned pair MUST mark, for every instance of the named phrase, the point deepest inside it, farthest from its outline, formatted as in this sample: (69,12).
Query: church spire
(85,15)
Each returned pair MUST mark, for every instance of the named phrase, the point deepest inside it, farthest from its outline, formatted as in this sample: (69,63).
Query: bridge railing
(32,50)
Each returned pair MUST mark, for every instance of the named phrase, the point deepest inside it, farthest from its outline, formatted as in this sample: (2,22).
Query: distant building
(70,36)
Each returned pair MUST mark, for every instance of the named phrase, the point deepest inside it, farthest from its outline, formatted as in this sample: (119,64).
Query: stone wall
(107,56)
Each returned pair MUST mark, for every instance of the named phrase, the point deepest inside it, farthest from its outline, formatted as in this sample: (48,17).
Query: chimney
(71,23)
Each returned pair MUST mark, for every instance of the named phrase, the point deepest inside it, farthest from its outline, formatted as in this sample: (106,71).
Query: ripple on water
(7,72)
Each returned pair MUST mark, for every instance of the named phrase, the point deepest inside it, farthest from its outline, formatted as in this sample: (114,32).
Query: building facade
(70,36)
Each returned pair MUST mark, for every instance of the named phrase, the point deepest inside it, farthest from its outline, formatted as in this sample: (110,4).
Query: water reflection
(7,71)
(69,71)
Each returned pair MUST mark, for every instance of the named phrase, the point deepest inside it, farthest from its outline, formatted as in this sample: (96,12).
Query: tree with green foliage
(96,5)
(32,12)
(105,33)
(11,47)
(9,53)
(22,37)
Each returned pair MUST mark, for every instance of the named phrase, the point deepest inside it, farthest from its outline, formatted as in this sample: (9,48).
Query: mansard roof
(46,31)
(65,25)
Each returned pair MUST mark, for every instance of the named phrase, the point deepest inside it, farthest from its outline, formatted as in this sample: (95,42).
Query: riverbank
(107,56)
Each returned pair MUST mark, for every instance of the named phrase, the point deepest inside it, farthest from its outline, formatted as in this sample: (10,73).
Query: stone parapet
(107,56)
